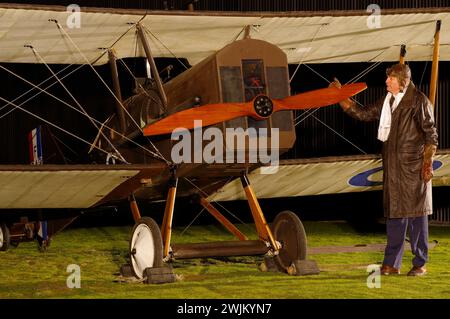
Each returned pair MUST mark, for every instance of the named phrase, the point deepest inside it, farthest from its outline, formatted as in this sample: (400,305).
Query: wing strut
(264,232)
(166,227)
(151,61)
(434,68)
(402,54)
(134,208)
(116,86)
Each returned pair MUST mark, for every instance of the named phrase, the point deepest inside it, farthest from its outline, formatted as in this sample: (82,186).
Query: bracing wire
(36,53)
(54,125)
(60,28)
(206,194)
(77,110)
(173,54)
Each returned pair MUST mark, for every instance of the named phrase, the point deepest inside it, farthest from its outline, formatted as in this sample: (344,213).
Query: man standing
(409,138)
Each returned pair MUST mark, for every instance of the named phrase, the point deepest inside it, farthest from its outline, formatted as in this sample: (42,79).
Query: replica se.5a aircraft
(169,139)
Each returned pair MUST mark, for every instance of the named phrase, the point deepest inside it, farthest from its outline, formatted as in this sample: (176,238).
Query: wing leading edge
(70,186)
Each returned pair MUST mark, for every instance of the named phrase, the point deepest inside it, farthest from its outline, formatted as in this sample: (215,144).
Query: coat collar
(408,98)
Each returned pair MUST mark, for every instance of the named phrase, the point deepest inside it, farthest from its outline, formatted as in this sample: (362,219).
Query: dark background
(248,5)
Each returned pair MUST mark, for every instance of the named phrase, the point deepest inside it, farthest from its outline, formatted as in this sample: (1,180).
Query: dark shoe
(417,271)
(388,270)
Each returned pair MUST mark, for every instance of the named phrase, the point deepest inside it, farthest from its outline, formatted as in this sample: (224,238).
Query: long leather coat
(412,127)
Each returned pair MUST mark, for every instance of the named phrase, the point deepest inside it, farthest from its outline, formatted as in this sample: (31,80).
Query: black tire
(148,252)
(5,238)
(289,231)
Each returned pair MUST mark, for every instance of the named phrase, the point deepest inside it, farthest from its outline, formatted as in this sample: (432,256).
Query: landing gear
(289,231)
(5,238)
(146,248)
(26,231)
(283,244)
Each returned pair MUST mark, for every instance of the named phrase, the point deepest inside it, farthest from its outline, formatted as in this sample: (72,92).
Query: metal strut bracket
(263,229)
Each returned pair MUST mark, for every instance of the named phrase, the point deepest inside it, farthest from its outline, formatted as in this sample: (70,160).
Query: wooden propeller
(259,108)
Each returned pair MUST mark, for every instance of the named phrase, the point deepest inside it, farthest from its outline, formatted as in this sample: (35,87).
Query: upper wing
(340,36)
(343,174)
(71,186)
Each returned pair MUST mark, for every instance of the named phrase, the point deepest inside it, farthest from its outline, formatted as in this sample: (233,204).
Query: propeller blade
(318,98)
(209,114)
(259,108)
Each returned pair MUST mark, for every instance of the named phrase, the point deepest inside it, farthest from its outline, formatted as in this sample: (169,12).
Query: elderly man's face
(392,84)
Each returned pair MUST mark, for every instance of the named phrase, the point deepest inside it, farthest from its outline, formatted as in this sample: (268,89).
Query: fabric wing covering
(319,37)
(321,176)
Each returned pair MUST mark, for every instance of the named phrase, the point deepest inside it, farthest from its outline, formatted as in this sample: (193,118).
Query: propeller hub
(263,106)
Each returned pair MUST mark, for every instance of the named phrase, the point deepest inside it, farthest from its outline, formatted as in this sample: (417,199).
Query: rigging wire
(38,93)
(77,110)
(423,73)
(76,69)
(36,53)
(32,89)
(206,194)
(54,125)
(308,113)
(329,127)
(304,52)
(60,28)
(140,85)
(354,79)
(193,220)
(145,91)
(173,54)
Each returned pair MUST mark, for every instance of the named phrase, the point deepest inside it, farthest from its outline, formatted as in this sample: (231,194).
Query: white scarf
(386,115)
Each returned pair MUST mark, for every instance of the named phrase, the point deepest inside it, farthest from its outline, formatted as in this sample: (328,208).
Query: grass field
(27,273)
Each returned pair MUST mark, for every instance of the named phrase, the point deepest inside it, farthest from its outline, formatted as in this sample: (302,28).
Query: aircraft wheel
(5,238)
(146,249)
(289,231)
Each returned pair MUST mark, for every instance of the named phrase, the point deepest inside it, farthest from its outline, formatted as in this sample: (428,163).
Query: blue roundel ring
(362,179)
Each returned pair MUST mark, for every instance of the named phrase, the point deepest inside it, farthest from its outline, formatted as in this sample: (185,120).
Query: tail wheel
(289,231)
(146,249)
(5,238)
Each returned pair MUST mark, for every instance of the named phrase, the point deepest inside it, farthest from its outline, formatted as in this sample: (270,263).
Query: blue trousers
(418,237)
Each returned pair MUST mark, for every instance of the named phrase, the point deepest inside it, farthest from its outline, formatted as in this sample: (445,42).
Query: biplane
(237,90)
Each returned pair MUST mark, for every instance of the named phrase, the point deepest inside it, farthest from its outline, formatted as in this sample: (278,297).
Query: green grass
(27,273)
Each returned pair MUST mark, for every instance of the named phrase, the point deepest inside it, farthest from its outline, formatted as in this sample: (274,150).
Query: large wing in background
(319,37)
(319,176)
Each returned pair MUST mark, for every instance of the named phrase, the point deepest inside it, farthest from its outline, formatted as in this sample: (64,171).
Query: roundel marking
(362,179)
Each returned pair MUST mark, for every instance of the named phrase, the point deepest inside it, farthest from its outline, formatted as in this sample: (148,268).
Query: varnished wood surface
(220,112)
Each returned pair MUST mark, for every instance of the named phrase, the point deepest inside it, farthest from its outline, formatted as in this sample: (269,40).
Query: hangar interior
(316,135)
